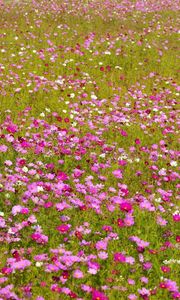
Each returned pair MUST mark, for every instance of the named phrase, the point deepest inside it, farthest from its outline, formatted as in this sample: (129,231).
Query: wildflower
(171,285)
(117,173)
(103,255)
(78,274)
(132,297)
(165,269)
(101,245)
(96,295)
(21,264)
(119,257)
(147,265)
(178,238)
(126,206)
(144,292)
(107,228)
(176,295)
(120,222)
(176,217)
(64,228)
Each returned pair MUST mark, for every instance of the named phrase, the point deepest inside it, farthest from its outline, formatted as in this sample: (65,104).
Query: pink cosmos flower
(123,133)
(93,267)
(101,245)
(78,274)
(131,281)
(119,257)
(12,128)
(171,285)
(103,255)
(176,295)
(55,288)
(144,292)
(129,220)
(132,297)
(3,279)
(6,270)
(96,295)
(165,269)
(117,173)
(2,223)
(120,222)
(147,265)
(3,148)
(161,221)
(8,163)
(64,228)
(126,206)
(176,217)
(144,279)
(21,264)
(39,238)
(178,238)
(130,260)
(107,228)
(24,211)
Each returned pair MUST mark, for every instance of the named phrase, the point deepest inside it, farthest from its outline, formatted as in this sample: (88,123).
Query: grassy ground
(89,125)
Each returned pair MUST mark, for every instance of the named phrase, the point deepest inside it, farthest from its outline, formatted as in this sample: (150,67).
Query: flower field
(89,150)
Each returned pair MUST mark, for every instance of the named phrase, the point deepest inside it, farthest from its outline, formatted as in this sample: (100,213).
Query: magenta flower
(176,295)
(6,270)
(119,257)
(120,222)
(107,228)
(176,217)
(64,228)
(126,206)
(147,265)
(39,238)
(12,128)
(123,133)
(96,295)
(165,269)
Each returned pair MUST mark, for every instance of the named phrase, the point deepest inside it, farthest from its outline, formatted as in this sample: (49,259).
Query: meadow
(89,149)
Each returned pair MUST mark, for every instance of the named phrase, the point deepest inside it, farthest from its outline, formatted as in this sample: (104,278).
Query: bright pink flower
(176,295)
(96,295)
(176,218)
(64,228)
(126,206)
(120,222)
(165,269)
(6,270)
(12,128)
(119,257)
(123,132)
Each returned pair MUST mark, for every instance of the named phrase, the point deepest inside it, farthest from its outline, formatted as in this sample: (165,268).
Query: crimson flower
(126,206)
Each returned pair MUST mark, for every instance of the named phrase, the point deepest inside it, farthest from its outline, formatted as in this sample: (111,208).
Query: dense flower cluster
(89,150)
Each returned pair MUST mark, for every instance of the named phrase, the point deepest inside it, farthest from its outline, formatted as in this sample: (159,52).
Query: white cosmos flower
(39,264)
(173,163)
(25,169)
